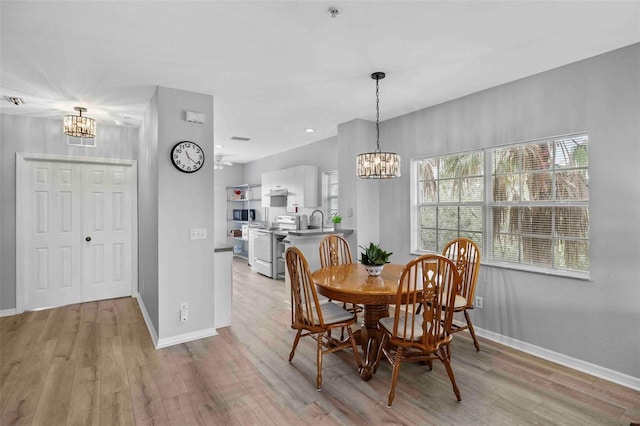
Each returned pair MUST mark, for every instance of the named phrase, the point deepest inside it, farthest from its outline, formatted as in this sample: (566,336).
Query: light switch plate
(198,234)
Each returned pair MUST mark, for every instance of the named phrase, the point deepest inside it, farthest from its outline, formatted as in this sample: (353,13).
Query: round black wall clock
(187,156)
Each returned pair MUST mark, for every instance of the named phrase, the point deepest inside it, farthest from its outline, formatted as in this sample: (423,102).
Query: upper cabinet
(303,191)
(300,183)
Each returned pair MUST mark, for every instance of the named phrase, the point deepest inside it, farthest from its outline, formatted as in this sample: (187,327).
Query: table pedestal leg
(370,337)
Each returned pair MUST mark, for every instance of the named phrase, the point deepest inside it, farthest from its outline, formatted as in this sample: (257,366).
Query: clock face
(187,156)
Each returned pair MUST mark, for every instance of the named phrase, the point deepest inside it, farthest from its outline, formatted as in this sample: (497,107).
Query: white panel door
(107,226)
(52,212)
(75,232)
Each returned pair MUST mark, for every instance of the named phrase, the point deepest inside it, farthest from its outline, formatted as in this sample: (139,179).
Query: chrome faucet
(321,217)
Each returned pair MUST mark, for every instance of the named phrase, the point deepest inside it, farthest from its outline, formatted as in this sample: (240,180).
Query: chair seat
(387,324)
(460,302)
(333,314)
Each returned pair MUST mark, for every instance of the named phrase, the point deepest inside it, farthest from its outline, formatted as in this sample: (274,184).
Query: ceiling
(276,68)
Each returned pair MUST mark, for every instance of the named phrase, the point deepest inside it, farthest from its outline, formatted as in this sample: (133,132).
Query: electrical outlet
(184,312)
(478,302)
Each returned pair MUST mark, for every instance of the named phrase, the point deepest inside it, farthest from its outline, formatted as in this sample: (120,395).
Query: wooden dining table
(352,284)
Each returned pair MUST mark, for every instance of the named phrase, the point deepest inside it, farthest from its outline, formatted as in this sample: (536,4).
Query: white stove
(269,246)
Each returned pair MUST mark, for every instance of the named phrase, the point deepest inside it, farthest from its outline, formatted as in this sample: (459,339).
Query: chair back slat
(431,281)
(334,250)
(466,256)
(304,299)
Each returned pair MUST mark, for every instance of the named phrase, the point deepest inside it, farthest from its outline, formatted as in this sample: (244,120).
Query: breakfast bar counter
(308,242)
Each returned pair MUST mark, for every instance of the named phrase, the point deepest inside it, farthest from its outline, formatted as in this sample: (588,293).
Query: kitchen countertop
(319,231)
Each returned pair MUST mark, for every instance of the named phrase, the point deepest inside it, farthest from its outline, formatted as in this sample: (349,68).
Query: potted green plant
(337,221)
(373,258)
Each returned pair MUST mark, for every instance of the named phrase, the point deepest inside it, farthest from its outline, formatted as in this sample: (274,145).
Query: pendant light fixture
(79,126)
(378,164)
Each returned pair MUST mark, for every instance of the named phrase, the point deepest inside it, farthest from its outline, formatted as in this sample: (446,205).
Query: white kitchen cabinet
(301,182)
(276,180)
(265,180)
(304,187)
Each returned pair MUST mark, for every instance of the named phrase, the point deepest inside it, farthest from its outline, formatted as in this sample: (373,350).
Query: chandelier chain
(377,116)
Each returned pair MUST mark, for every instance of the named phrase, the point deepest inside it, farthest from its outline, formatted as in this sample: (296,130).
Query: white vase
(374,270)
(337,226)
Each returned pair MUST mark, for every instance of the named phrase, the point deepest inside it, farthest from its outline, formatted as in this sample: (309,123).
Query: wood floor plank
(182,409)
(106,371)
(115,392)
(19,401)
(53,406)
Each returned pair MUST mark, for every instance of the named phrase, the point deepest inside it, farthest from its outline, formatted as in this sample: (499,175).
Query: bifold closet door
(52,216)
(107,231)
(76,226)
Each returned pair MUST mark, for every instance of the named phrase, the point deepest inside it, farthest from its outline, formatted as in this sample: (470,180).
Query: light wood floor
(94,364)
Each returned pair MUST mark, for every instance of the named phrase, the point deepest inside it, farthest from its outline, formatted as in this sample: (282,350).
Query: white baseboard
(8,312)
(147,320)
(186,337)
(558,358)
(174,340)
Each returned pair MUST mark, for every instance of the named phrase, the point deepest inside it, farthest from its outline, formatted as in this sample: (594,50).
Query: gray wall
(597,320)
(185,201)
(42,136)
(148,211)
(592,321)
(321,153)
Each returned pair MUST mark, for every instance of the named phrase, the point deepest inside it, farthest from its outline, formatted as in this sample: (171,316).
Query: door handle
(87,239)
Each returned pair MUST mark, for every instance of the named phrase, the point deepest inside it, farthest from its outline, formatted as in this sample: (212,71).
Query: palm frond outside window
(534,202)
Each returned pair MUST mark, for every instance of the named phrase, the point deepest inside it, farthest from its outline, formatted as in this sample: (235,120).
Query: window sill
(582,276)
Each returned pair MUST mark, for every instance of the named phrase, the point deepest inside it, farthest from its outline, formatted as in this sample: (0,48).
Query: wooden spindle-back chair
(430,280)
(334,250)
(311,318)
(465,254)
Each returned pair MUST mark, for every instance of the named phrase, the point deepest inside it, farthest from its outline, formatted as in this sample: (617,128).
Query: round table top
(352,284)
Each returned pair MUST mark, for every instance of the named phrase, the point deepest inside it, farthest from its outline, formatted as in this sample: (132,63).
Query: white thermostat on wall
(194,116)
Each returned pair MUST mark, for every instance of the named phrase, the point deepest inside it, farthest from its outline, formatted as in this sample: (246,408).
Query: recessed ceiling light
(309,130)
(219,146)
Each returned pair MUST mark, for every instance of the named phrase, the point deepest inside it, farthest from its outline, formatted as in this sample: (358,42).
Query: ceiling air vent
(240,139)
(14,100)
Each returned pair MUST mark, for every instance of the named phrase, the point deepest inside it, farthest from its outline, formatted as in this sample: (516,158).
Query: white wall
(42,136)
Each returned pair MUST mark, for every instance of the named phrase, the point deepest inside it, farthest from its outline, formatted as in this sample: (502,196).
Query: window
(450,199)
(330,194)
(531,209)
